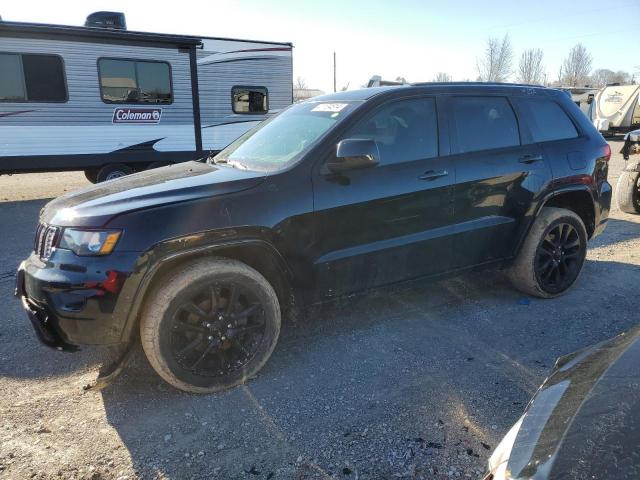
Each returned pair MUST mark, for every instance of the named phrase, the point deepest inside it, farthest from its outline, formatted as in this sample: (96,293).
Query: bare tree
(601,77)
(604,76)
(495,66)
(300,84)
(530,69)
(442,77)
(576,66)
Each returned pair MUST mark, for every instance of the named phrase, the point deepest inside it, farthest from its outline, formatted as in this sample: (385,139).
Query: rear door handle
(433,174)
(528,159)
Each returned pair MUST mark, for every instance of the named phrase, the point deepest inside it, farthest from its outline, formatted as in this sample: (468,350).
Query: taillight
(606,153)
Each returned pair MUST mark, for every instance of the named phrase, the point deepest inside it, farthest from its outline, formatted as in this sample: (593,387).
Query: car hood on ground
(584,422)
(96,205)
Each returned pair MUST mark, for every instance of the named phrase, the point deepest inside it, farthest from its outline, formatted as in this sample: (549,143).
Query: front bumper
(42,322)
(73,300)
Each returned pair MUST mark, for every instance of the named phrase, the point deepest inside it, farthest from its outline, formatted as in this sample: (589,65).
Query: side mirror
(353,154)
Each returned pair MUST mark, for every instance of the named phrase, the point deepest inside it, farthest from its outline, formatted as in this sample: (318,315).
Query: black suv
(335,195)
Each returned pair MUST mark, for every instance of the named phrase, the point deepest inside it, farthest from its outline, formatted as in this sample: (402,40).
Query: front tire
(552,255)
(210,325)
(628,192)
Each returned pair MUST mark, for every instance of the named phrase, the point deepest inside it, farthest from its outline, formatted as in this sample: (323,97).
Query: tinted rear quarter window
(546,119)
(404,130)
(483,123)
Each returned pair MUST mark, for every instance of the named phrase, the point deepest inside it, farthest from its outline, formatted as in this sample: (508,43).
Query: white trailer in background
(616,108)
(109,101)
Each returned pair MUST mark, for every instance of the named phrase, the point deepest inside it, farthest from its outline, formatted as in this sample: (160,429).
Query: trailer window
(32,78)
(250,100)
(134,81)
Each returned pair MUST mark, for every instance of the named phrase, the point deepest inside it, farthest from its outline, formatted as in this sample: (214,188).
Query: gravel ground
(419,381)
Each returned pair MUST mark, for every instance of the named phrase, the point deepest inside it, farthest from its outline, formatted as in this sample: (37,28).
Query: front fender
(167,254)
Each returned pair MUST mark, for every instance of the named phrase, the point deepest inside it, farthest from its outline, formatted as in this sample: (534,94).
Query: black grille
(46,238)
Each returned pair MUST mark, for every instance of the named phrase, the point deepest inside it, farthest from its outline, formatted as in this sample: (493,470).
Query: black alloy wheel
(217,330)
(559,258)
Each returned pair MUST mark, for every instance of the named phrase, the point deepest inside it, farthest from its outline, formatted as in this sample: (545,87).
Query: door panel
(492,196)
(497,178)
(388,223)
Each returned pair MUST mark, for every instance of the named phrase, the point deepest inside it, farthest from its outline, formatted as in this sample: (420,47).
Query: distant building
(302,94)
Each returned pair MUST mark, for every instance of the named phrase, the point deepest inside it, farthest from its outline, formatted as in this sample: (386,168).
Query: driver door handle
(433,174)
(528,159)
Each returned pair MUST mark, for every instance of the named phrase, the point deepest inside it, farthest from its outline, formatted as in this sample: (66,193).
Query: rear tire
(552,256)
(199,335)
(628,192)
(112,171)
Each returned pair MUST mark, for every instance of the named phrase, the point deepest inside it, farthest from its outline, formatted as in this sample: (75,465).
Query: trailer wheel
(112,171)
(91,174)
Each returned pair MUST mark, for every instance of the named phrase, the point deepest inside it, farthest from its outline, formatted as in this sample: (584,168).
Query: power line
(554,17)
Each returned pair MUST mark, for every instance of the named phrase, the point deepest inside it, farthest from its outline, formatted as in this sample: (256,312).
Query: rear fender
(535,209)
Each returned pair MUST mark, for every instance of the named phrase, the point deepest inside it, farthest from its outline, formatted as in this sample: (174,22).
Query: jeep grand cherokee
(338,194)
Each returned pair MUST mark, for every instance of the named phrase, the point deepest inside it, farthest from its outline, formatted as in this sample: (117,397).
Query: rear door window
(547,120)
(483,123)
(404,130)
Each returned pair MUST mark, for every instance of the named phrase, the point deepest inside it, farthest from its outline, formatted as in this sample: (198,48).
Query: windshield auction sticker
(137,115)
(329,107)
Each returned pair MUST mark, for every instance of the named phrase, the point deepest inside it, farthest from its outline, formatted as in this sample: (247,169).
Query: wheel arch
(257,253)
(577,198)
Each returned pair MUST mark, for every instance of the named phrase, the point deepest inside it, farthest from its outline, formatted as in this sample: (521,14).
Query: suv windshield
(282,140)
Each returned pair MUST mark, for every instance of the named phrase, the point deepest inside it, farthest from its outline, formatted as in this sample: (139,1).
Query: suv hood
(96,205)
(584,420)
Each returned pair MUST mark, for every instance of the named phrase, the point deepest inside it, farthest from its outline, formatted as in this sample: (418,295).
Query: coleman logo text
(137,115)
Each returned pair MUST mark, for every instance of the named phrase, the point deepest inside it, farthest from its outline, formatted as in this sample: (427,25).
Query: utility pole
(334,72)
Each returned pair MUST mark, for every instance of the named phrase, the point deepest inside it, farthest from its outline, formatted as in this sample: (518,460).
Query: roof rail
(497,84)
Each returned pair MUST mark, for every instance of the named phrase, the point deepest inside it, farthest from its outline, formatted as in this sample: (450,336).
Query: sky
(408,38)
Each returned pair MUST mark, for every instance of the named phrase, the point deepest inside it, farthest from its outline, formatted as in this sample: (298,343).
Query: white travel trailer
(616,108)
(109,101)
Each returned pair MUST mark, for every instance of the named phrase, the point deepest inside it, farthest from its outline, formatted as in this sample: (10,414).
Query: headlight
(89,242)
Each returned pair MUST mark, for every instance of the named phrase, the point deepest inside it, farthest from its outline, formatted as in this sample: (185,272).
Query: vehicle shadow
(466,353)
(617,231)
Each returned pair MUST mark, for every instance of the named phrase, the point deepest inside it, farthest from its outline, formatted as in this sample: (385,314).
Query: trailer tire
(112,171)
(628,192)
(91,174)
